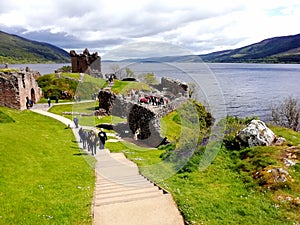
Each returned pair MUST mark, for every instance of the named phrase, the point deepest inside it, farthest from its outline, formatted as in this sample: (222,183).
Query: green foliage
(44,178)
(205,118)
(148,78)
(67,86)
(129,72)
(193,163)
(54,87)
(70,75)
(167,150)
(65,69)
(9,70)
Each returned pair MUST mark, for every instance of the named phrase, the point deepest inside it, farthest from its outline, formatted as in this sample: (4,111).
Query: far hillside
(285,49)
(273,50)
(15,49)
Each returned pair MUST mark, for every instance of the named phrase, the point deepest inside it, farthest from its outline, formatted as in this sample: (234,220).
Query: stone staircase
(123,196)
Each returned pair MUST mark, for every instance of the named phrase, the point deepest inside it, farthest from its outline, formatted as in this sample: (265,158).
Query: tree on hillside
(286,113)
(129,72)
(191,89)
(148,78)
(115,68)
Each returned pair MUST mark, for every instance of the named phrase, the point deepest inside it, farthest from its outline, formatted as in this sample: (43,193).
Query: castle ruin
(86,63)
(15,86)
(142,119)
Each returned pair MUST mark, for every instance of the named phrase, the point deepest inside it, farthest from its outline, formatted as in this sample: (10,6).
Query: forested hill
(284,49)
(15,49)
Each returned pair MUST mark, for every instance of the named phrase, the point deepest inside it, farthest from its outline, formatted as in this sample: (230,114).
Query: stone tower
(86,63)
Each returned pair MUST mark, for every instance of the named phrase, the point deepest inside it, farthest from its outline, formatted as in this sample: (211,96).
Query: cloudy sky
(194,26)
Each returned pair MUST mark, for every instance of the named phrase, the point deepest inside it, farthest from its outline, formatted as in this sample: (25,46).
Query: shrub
(286,113)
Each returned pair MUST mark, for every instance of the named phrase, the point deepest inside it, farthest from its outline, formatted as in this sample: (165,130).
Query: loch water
(239,89)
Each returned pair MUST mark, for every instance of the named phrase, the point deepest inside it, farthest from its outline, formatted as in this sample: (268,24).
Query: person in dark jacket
(75,121)
(102,138)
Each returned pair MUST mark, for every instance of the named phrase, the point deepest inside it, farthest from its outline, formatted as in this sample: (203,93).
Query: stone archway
(32,95)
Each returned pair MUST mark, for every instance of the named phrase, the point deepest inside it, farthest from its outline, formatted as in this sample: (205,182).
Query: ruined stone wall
(86,63)
(143,120)
(16,86)
(174,86)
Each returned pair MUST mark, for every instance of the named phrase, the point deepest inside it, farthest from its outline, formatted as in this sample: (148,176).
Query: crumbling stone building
(16,86)
(86,63)
(174,86)
(143,122)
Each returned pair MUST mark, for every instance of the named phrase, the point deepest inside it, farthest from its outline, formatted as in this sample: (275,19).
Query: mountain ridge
(16,49)
(283,49)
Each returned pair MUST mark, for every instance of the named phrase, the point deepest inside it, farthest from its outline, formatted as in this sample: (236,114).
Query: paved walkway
(122,196)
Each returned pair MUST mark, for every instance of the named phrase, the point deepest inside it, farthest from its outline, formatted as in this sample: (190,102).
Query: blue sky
(195,26)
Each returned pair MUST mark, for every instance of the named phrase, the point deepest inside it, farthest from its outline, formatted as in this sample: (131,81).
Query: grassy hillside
(44,178)
(15,49)
(227,192)
(274,50)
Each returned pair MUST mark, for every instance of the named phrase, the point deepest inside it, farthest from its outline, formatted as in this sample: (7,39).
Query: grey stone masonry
(143,120)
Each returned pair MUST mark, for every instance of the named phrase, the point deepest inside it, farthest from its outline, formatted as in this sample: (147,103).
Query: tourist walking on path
(94,143)
(76,121)
(84,138)
(49,102)
(80,132)
(102,136)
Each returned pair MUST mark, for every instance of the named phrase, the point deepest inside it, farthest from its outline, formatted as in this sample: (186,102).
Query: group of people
(154,100)
(90,139)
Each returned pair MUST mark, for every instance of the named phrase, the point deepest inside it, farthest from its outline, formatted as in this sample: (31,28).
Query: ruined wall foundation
(143,121)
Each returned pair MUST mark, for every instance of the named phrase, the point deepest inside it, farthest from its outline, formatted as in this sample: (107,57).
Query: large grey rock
(256,134)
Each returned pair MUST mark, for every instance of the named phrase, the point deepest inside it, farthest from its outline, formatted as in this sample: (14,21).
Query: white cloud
(200,26)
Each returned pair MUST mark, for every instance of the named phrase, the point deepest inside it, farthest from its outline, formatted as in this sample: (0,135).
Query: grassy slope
(43,178)
(86,107)
(223,193)
(15,49)
(124,87)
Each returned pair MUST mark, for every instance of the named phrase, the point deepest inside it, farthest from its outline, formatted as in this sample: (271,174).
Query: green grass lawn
(124,87)
(44,178)
(84,107)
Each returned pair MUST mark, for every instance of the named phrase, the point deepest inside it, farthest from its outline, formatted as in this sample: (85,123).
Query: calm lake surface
(236,89)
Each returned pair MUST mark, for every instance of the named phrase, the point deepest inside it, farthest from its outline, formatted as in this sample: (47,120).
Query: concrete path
(122,196)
